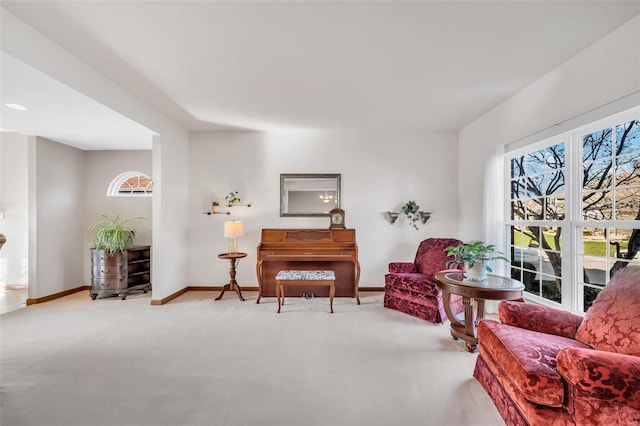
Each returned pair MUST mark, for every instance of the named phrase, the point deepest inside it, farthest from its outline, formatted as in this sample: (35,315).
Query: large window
(574,211)
(608,232)
(537,212)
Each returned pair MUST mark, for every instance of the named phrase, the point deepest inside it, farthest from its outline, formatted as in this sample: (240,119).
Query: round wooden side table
(493,288)
(232,284)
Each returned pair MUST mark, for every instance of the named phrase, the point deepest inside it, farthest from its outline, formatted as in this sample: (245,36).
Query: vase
(216,209)
(477,272)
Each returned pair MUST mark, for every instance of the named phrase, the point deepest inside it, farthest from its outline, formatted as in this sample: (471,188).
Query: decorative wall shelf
(392,216)
(227,212)
(425,215)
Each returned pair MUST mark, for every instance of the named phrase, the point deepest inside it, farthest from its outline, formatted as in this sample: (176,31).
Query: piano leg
(259,275)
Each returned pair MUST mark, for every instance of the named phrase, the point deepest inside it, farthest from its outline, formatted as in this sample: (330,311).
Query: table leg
(480,313)
(239,292)
(470,324)
(446,301)
(356,281)
(232,284)
(224,288)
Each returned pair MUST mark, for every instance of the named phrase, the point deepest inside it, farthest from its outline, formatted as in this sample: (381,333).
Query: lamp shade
(233,229)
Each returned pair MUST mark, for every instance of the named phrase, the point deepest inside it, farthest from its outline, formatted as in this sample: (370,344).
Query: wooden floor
(12,298)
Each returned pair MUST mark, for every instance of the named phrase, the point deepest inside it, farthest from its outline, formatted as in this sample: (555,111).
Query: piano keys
(307,249)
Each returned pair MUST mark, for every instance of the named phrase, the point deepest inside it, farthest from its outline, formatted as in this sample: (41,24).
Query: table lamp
(232,230)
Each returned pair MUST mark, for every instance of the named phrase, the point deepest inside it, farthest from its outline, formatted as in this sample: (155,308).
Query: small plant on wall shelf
(232,199)
(412,211)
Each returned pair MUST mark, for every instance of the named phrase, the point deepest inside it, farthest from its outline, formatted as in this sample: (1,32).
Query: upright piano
(306,249)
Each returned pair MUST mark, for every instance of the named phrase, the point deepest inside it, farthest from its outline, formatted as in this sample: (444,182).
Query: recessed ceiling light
(17,106)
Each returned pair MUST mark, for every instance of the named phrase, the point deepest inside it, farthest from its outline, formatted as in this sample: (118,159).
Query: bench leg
(332,292)
(278,284)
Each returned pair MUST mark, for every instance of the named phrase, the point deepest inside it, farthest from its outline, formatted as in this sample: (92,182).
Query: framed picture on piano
(336,217)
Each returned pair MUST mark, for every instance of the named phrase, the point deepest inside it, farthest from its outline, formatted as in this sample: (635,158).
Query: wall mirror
(309,194)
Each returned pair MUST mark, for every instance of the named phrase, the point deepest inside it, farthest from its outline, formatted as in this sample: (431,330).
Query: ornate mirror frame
(309,195)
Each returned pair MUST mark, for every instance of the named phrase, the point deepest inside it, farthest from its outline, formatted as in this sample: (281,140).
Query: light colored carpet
(196,361)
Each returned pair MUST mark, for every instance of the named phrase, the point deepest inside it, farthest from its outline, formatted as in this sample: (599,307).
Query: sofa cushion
(431,257)
(418,283)
(612,323)
(539,318)
(427,309)
(402,267)
(528,358)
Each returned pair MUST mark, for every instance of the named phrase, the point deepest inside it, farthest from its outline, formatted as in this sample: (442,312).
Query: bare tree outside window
(610,191)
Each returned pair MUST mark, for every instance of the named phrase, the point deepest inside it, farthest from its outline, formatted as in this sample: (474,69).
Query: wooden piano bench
(302,277)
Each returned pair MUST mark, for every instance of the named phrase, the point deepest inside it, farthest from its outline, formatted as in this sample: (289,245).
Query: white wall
(56,217)
(101,168)
(170,146)
(170,214)
(14,202)
(583,87)
(380,171)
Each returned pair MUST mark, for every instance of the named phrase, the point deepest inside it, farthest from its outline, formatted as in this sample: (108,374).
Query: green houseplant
(113,234)
(117,266)
(412,211)
(232,199)
(215,206)
(476,258)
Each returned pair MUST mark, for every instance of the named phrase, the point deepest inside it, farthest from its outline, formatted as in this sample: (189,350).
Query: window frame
(563,224)
(572,243)
(113,189)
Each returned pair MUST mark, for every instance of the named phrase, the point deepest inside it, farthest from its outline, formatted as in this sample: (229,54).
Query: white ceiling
(213,65)
(61,113)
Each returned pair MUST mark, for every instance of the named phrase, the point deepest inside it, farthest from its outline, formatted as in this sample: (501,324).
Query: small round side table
(493,288)
(232,284)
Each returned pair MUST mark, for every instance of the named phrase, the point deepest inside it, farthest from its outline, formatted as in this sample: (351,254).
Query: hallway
(12,298)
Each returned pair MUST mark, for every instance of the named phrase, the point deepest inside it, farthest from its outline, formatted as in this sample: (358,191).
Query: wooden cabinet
(120,273)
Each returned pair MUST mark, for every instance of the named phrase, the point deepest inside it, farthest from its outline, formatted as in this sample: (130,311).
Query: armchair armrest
(539,318)
(606,376)
(402,267)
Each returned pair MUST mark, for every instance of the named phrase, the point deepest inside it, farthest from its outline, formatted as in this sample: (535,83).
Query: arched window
(131,184)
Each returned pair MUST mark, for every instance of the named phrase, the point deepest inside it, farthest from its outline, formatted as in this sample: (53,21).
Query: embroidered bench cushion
(300,275)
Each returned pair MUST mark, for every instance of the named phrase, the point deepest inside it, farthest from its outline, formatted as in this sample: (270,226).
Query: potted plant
(117,266)
(215,206)
(412,211)
(232,199)
(113,234)
(475,257)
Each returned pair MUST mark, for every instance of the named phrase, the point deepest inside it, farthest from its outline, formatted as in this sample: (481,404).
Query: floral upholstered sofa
(542,366)
(411,287)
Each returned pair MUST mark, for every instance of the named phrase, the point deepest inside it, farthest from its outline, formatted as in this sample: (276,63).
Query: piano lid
(306,236)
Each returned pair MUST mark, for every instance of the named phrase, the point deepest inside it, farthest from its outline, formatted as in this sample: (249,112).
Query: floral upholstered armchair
(540,365)
(410,287)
